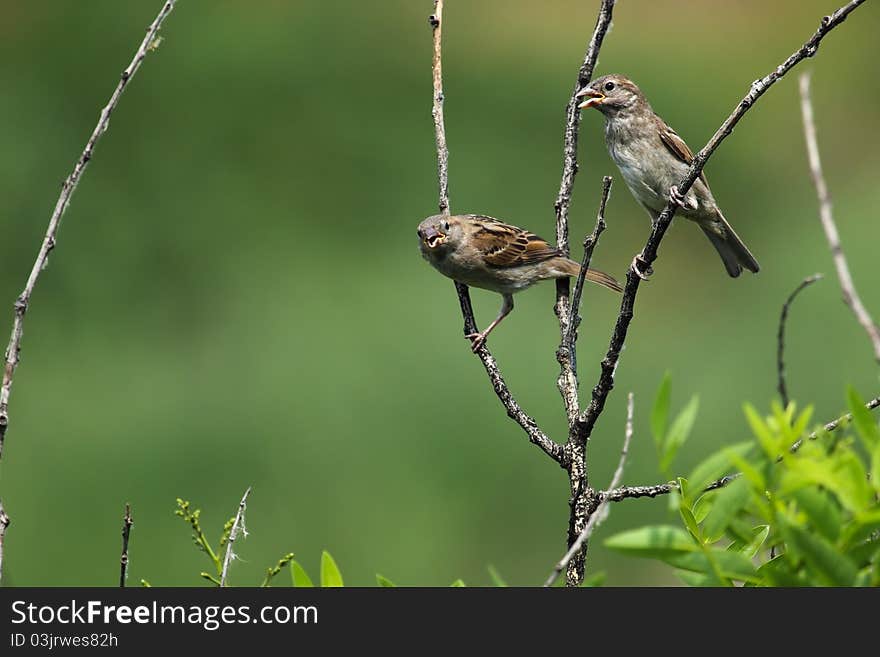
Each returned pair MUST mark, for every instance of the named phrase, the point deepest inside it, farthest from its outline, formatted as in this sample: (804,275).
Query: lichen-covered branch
(850,295)
(601,511)
(567,381)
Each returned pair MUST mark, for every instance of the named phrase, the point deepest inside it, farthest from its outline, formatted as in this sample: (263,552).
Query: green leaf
(729,501)
(770,443)
(841,473)
(829,565)
(660,412)
(778,572)
(594,580)
(750,549)
(864,422)
(689,521)
(384,581)
(459,583)
(298,575)
(495,576)
(732,565)
(653,541)
(679,432)
(691,578)
(330,575)
(704,504)
(713,467)
(823,514)
(861,528)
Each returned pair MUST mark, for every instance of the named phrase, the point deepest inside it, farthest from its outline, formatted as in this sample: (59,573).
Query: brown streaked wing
(504,245)
(677,147)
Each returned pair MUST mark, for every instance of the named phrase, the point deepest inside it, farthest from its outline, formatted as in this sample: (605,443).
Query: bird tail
(571,268)
(734,253)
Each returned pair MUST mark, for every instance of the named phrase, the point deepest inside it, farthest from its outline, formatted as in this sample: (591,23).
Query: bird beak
(594,97)
(432,237)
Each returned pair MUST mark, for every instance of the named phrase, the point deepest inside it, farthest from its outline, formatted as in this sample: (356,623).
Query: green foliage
(192,518)
(669,438)
(793,511)
(330,575)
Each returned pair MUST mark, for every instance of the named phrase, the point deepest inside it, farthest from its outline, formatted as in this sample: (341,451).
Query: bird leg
(479,339)
(638,263)
(676,197)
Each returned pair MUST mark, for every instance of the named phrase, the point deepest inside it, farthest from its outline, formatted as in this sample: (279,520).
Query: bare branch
(13,350)
(601,512)
(436,20)
(780,336)
(567,382)
(587,419)
(536,436)
(237,526)
(850,296)
(126,531)
(630,492)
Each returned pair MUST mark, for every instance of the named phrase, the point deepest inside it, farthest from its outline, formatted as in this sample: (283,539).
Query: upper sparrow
(653,159)
(483,252)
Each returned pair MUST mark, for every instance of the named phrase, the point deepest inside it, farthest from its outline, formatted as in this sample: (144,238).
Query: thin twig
(630,492)
(590,243)
(601,512)
(567,381)
(237,526)
(126,531)
(850,295)
(4,523)
(780,336)
(536,436)
(587,419)
(13,350)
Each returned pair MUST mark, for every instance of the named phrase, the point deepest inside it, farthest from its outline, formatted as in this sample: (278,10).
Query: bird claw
(675,196)
(477,340)
(638,262)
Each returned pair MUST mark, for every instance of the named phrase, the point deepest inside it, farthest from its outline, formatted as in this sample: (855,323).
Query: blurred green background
(237,296)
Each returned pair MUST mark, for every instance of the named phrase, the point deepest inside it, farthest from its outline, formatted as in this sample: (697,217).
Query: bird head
(439,234)
(611,95)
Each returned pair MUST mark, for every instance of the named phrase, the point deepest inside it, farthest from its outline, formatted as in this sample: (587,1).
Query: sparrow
(487,253)
(652,158)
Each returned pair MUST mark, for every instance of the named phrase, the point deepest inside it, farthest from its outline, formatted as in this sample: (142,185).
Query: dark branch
(850,295)
(630,492)
(126,531)
(587,419)
(780,336)
(13,350)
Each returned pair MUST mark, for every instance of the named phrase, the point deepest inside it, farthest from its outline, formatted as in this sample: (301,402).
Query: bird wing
(503,245)
(678,147)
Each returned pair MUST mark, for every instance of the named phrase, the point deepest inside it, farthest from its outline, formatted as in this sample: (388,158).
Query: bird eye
(609,86)
(445,225)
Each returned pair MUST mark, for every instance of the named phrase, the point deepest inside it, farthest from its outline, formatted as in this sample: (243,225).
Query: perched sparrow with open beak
(483,252)
(653,159)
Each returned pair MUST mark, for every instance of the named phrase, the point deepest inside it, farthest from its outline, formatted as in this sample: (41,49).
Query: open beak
(593,97)
(432,237)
